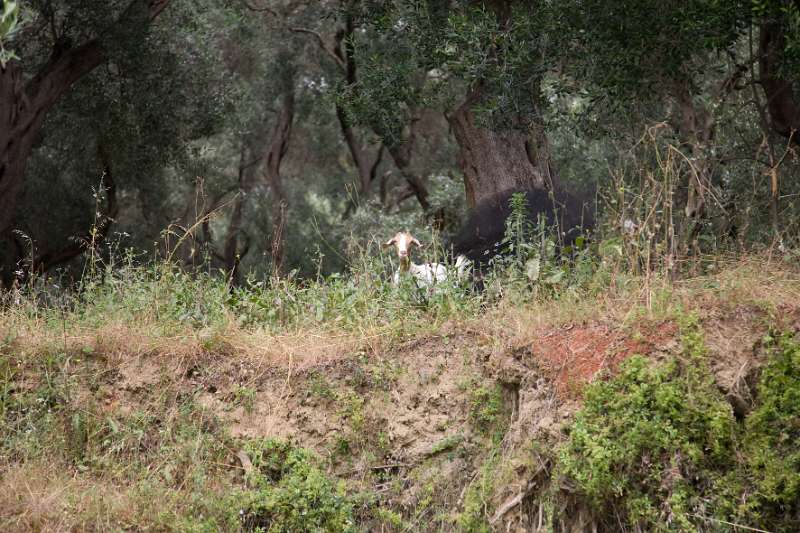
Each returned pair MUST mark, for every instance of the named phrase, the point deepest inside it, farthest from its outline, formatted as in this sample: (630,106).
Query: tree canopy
(278,136)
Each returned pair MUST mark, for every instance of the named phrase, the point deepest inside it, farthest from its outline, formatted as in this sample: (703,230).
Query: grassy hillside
(154,400)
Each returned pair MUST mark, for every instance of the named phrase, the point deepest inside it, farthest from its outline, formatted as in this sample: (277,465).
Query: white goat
(426,274)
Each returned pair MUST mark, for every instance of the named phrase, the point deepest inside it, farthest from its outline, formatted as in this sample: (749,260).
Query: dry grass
(39,497)
(182,376)
(749,280)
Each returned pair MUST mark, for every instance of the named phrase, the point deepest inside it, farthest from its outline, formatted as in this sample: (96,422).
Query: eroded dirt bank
(450,428)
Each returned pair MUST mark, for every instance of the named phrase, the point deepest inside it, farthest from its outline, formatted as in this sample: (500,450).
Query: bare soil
(398,422)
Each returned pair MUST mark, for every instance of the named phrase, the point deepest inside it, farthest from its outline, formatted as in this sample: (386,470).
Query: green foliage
(771,470)
(289,493)
(385,90)
(244,396)
(352,410)
(658,448)
(519,235)
(9,19)
(486,409)
(390,518)
(501,49)
(650,443)
(628,49)
(474,518)
(426,52)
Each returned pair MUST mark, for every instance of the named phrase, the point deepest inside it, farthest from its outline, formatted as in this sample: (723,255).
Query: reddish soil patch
(575,355)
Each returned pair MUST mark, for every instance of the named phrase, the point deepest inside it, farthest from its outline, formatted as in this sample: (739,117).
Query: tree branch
(373,172)
(262,9)
(330,51)
(66,67)
(325,47)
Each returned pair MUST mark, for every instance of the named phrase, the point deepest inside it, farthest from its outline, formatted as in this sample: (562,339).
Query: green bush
(650,443)
(658,448)
(771,470)
(289,493)
(486,409)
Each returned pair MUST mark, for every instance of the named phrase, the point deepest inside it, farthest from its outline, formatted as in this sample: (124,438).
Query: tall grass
(168,298)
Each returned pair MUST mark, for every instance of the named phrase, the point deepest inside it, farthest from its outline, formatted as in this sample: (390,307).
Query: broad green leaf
(555,278)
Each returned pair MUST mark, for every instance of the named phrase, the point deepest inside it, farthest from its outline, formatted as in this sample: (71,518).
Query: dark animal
(480,237)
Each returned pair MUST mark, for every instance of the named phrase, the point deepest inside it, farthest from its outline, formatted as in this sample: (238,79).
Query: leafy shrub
(648,444)
(658,447)
(486,410)
(770,474)
(289,493)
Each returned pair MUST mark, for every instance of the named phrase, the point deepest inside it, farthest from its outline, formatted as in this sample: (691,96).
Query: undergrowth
(289,493)
(658,448)
(530,265)
(767,481)
(655,448)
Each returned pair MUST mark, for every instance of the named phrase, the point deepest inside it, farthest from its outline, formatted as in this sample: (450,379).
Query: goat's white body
(428,274)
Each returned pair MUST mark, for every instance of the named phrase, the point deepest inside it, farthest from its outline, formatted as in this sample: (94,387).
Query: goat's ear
(390,242)
(415,241)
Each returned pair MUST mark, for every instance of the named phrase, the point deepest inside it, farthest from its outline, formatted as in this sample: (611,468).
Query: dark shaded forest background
(272,136)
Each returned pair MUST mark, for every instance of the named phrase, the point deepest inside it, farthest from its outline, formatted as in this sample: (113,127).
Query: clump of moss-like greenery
(648,445)
(768,478)
(658,448)
(289,493)
(473,518)
(486,409)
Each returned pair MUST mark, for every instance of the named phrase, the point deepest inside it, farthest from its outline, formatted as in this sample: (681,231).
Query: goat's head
(402,241)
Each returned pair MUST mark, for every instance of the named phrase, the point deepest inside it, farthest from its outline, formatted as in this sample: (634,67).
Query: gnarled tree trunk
(784,111)
(22,112)
(495,161)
